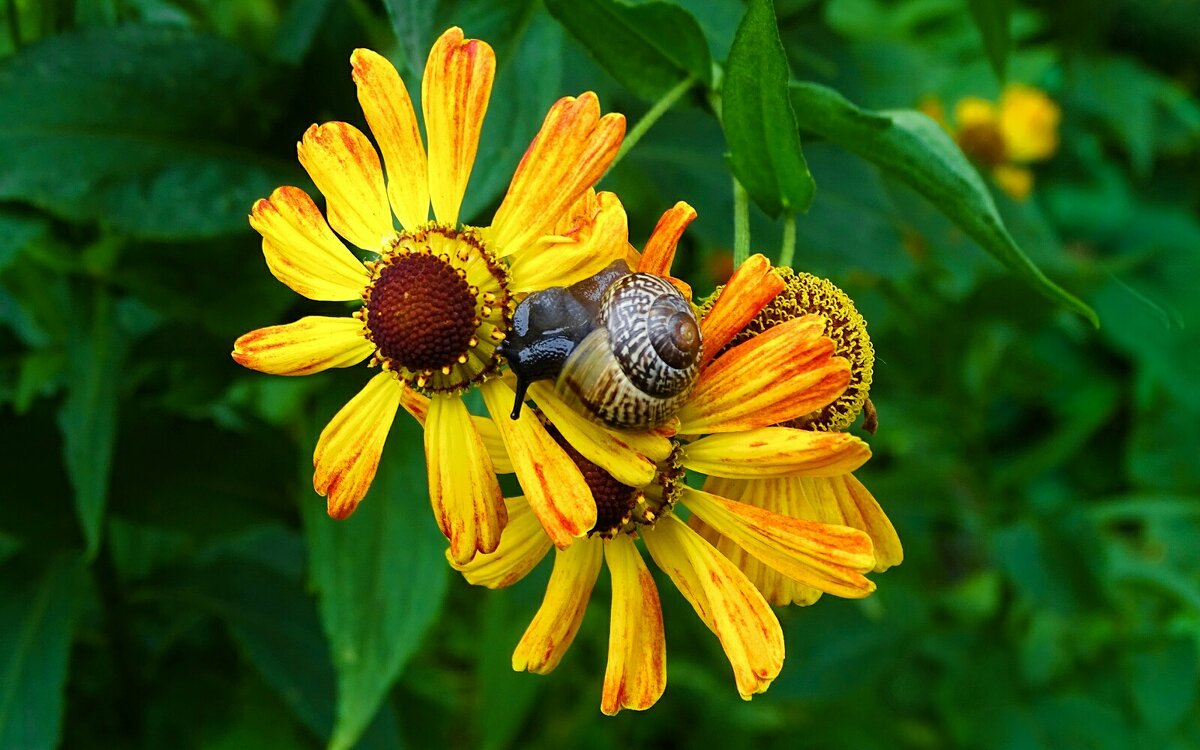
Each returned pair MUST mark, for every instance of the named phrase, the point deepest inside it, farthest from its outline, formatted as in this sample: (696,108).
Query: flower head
(436,297)
(1005,137)
(726,427)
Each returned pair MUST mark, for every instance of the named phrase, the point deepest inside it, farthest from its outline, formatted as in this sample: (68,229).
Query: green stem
(741,224)
(788,249)
(652,116)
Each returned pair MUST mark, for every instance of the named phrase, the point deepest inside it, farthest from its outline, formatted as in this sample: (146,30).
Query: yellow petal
(637,650)
(724,599)
(344,166)
(557,620)
(467,501)
(660,248)
(776,588)
(569,155)
(309,345)
(784,373)
(743,297)
(1029,123)
(523,544)
(776,452)
(597,235)
(604,447)
(389,112)
(553,484)
(850,503)
(973,111)
(348,450)
(302,251)
(826,557)
(418,406)
(454,97)
(1016,181)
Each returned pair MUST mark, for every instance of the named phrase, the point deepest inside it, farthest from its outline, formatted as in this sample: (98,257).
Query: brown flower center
(436,308)
(983,144)
(421,313)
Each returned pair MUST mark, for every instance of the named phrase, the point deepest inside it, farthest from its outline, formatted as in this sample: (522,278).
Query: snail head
(548,325)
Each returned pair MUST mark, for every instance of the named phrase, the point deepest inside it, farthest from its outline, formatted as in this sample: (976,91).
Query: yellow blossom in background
(436,296)
(1006,136)
(730,427)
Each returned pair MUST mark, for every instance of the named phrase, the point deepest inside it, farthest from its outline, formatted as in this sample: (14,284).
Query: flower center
(619,507)
(983,144)
(436,308)
(421,313)
(803,294)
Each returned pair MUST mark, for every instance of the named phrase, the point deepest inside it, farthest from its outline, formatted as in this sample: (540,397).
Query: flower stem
(652,116)
(788,249)
(741,224)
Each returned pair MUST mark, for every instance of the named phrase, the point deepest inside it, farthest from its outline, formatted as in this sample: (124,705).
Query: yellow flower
(834,496)
(637,482)
(1022,128)
(439,298)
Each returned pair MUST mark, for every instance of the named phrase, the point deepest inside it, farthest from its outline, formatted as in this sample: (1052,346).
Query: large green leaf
(88,418)
(915,149)
(148,129)
(648,48)
(760,127)
(992,19)
(37,615)
(380,577)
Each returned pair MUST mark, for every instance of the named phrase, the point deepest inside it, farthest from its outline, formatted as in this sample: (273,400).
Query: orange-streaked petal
(567,156)
(597,236)
(348,450)
(636,675)
(786,372)
(309,345)
(604,447)
(747,292)
(523,544)
(660,248)
(454,97)
(557,620)
(302,251)
(852,504)
(553,484)
(389,112)
(466,498)
(776,452)
(724,599)
(344,166)
(418,406)
(830,558)
(771,494)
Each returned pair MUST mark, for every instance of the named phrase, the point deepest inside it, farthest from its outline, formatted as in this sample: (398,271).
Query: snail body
(622,347)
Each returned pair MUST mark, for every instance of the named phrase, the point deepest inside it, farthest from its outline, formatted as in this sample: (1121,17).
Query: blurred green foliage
(169,579)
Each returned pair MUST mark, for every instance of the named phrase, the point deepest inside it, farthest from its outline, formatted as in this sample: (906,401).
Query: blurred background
(168,578)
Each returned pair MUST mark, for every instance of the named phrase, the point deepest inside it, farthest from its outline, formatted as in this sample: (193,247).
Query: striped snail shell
(623,347)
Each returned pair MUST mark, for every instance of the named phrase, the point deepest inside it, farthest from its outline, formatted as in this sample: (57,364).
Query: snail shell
(637,366)
(622,347)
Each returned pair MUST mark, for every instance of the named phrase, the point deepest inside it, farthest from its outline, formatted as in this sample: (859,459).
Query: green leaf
(1163,682)
(380,575)
(148,129)
(760,126)
(37,615)
(412,20)
(527,83)
(88,418)
(915,149)
(649,48)
(992,19)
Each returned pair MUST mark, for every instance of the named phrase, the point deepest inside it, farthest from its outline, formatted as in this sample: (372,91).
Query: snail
(622,347)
